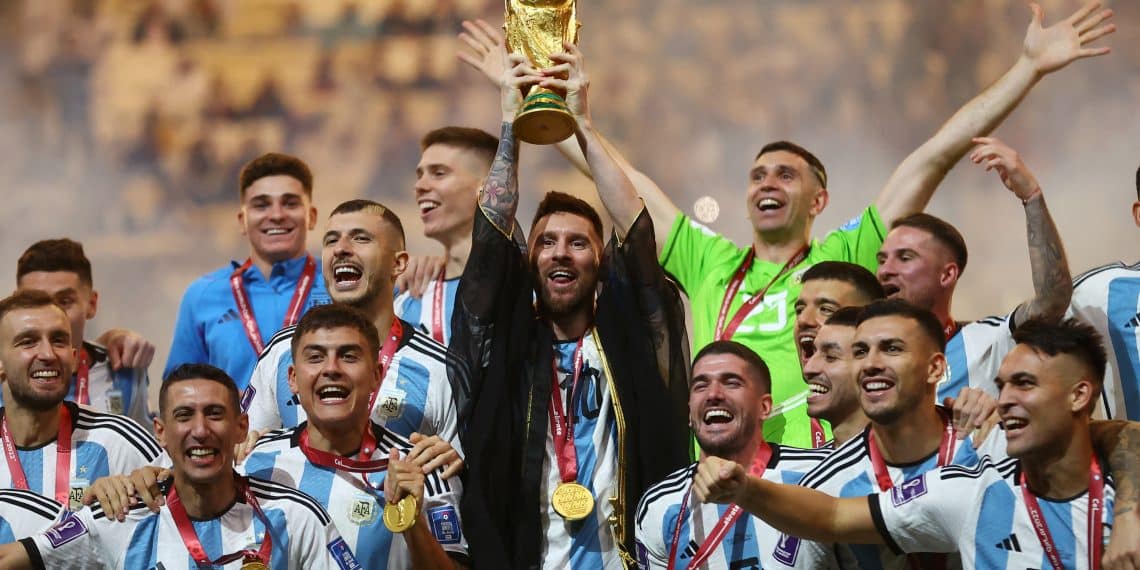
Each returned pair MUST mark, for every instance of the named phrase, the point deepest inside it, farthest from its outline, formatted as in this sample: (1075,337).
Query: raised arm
(1044,51)
(1052,284)
(499,197)
(483,43)
(791,509)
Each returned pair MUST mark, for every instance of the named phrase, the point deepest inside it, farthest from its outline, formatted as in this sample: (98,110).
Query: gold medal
(572,501)
(253,563)
(402,515)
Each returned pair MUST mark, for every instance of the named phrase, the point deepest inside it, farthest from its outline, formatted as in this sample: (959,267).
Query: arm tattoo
(1052,284)
(500,195)
(1123,462)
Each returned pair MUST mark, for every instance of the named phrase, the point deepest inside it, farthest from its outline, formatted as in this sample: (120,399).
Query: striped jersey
(848,472)
(24,513)
(303,536)
(355,507)
(974,355)
(420,311)
(415,393)
(587,544)
(122,391)
(980,512)
(750,543)
(102,444)
(1108,298)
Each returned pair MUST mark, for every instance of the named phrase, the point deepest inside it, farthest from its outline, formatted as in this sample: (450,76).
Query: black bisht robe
(504,389)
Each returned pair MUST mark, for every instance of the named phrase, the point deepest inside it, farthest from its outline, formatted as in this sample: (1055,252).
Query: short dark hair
(335,316)
(814,163)
(478,141)
(845,317)
(560,202)
(61,254)
(1070,336)
(855,275)
(385,213)
(196,371)
(27,299)
(941,231)
(276,164)
(926,320)
(742,352)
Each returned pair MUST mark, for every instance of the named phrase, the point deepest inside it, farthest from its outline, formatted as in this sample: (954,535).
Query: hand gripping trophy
(537,28)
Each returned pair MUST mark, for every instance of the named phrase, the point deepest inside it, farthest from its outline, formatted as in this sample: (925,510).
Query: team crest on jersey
(908,491)
(247,397)
(75,494)
(69,528)
(787,550)
(390,402)
(363,510)
(445,524)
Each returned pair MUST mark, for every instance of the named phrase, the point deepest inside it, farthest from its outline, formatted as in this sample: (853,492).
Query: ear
(937,369)
(765,406)
(160,432)
(949,274)
(243,426)
(293,378)
(819,202)
(241,220)
(1082,395)
(1136,213)
(399,264)
(92,305)
(312,225)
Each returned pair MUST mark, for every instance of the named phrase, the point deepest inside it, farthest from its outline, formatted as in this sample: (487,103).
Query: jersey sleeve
(189,342)
(335,555)
(649,541)
(72,542)
(857,241)
(689,249)
(441,510)
(922,514)
(446,416)
(260,397)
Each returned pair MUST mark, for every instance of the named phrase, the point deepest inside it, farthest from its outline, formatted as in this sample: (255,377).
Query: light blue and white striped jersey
(122,391)
(750,544)
(303,535)
(24,513)
(415,393)
(848,472)
(980,512)
(102,444)
(1108,298)
(354,507)
(420,311)
(974,355)
(587,544)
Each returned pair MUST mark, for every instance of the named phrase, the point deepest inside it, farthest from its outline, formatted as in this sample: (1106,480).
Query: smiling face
(36,356)
(898,367)
(830,375)
(915,267)
(333,375)
(818,300)
(565,252)
(727,405)
(447,188)
(276,216)
(199,427)
(1041,400)
(361,256)
(76,298)
(783,194)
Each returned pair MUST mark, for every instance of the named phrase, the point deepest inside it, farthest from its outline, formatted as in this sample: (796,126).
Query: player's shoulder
(1104,273)
(211,279)
(25,501)
(421,347)
(293,503)
(281,341)
(790,458)
(987,469)
(987,322)
(840,465)
(108,428)
(276,440)
(666,492)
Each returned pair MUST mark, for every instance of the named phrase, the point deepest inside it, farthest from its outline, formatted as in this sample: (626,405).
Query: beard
(23,394)
(730,446)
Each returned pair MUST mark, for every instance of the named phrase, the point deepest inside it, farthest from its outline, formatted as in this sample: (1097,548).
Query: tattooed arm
(1052,284)
(1119,442)
(499,197)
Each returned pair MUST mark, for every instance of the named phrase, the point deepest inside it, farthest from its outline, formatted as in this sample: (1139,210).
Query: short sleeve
(72,542)
(857,241)
(441,510)
(260,398)
(320,547)
(690,249)
(922,514)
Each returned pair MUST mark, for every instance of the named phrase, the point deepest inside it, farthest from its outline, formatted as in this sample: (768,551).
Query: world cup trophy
(537,28)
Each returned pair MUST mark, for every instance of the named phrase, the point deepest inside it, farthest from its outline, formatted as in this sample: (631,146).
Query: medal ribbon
(724,333)
(245,308)
(437,308)
(82,374)
(726,521)
(562,423)
(818,438)
(395,333)
(945,453)
(190,537)
(62,457)
(362,464)
(1095,526)
(949,328)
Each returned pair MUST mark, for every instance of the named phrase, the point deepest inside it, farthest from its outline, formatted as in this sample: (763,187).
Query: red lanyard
(726,521)
(1095,528)
(724,333)
(245,308)
(562,423)
(818,437)
(62,457)
(81,377)
(362,465)
(437,308)
(395,333)
(949,328)
(190,537)
(945,453)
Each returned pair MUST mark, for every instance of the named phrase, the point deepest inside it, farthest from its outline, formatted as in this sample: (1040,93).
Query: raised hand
(1052,48)
(421,271)
(432,452)
(483,42)
(568,78)
(995,155)
(404,478)
(518,77)
(718,480)
(127,349)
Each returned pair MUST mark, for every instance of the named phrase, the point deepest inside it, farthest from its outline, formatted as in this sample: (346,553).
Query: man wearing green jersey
(787,190)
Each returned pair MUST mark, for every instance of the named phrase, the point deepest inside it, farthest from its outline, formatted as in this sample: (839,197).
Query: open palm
(1058,45)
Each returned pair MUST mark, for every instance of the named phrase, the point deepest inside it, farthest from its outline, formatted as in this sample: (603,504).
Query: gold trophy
(537,28)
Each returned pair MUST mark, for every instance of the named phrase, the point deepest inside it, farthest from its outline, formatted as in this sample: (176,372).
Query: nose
(45,351)
(808,319)
(886,268)
(871,364)
(198,428)
(561,250)
(812,366)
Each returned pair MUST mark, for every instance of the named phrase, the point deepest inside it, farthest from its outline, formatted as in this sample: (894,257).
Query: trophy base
(544,119)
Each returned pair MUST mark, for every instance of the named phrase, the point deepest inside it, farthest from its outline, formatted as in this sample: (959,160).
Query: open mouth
(769,204)
(1013,425)
(891,289)
(876,385)
(427,206)
(202,455)
(714,416)
(273,232)
(562,277)
(47,376)
(347,276)
(333,394)
(818,388)
(806,341)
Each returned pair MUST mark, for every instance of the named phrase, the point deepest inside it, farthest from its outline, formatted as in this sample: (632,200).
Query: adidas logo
(229,315)
(1009,544)
(1133,322)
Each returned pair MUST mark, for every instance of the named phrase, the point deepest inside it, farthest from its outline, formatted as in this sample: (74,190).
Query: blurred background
(124,123)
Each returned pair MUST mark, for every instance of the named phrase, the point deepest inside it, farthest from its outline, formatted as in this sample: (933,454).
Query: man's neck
(455,253)
(747,454)
(265,264)
(1061,469)
(32,428)
(341,440)
(572,326)
(851,425)
(206,501)
(779,247)
(911,438)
